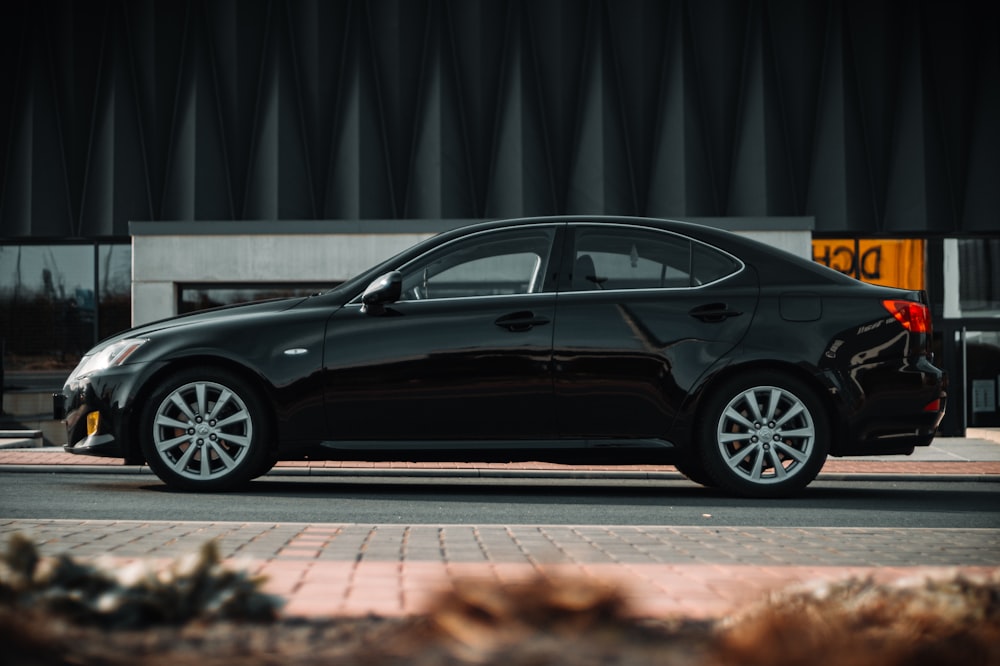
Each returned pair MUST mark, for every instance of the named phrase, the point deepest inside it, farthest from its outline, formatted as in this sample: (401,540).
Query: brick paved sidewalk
(391,570)
(354,570)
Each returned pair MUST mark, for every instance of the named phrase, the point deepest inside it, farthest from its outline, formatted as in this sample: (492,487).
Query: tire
(205,410)
(763,435)
(692,468)
(267,464)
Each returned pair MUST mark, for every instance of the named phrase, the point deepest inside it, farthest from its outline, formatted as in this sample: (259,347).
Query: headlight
(107,357)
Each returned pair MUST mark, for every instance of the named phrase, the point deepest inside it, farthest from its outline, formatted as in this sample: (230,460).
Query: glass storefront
(971,331)
(56,301)
(891,262)
(981,352)
(979,276)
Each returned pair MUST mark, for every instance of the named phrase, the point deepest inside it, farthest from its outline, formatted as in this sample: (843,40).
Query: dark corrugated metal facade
(876,117)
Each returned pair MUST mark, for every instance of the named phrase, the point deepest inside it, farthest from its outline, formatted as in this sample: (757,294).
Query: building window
(979,276)
(194,297)
(58,300)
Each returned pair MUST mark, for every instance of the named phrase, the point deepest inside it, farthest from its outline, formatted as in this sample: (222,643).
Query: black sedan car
(567,339)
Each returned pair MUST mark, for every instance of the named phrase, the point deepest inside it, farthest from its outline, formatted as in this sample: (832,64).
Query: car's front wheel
(205,430)
(763,435)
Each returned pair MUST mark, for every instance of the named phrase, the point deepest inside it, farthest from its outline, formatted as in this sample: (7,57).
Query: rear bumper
(892,408)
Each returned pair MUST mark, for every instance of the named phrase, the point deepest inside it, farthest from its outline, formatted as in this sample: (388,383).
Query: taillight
(915,317)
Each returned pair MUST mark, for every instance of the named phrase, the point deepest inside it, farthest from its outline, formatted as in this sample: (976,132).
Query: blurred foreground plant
(195,587)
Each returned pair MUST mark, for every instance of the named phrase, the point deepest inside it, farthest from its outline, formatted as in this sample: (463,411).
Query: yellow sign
(888,262)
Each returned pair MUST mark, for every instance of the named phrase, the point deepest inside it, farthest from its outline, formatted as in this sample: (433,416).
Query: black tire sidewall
(715,465)
(254,459)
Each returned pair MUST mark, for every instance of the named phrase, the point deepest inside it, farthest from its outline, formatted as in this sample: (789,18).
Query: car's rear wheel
(763,435)
(205,429)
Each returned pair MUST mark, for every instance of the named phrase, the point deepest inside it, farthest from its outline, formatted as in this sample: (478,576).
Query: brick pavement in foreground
(392,570)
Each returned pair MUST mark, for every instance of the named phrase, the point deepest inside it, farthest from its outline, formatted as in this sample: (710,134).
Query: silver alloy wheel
(766,435)
(202,430)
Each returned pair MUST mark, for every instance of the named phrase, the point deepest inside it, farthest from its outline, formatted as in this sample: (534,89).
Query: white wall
(160,263)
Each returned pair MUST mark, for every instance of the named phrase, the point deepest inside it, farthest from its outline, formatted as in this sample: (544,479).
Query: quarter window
(709,265)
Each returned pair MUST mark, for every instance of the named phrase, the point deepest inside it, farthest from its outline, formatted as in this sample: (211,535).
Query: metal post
(3,357)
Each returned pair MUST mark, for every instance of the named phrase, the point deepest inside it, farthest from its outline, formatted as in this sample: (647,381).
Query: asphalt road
(907,502)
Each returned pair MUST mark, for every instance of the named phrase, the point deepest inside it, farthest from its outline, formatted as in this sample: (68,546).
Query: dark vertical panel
(839,176)
(398,30)
(155,31)
(638,34)
(315,39)
(600,176)
(797,39)
(719,34)
(477,34)
(759,174)
(521,177)
(556,32)
(916,189)
(681,183)
(440,183)
(116,184)
(14,50)
(876,36)
(981,195)
(952,67)
(360,182)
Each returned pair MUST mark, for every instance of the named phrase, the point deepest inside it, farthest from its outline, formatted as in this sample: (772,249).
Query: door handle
(713,313)
(520,321)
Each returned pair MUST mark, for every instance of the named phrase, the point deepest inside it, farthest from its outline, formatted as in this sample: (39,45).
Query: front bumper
(109,393)
(72,406)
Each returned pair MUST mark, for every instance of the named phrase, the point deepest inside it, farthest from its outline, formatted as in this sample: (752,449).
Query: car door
(464,354)
(642,314)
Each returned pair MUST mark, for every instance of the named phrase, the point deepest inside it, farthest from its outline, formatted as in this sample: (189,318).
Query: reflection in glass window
(491,264)
(200,297)
(979,266)
(114,289)
(48,305)
(891,262)
(628,259)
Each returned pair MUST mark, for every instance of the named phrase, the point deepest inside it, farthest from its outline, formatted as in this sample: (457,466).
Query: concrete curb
(475,473)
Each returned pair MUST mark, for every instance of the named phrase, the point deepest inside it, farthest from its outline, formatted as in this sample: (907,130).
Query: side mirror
(386,289)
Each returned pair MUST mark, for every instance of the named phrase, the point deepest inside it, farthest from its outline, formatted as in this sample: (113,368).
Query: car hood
(207,316)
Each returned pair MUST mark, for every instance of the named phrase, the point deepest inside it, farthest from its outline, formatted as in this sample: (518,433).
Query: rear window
(621,258)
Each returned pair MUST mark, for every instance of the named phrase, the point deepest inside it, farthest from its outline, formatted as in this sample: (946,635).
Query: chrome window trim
(356,303)
(573,224)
